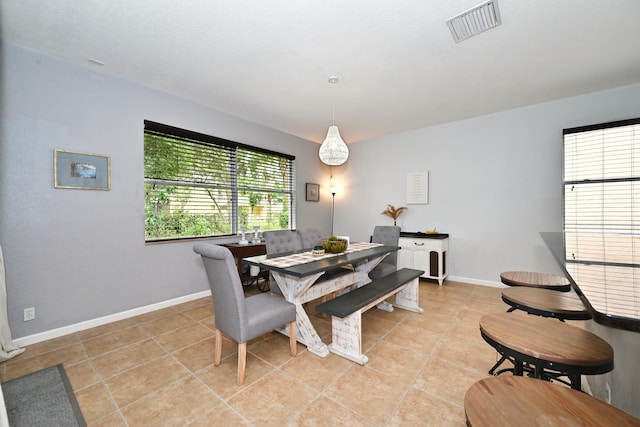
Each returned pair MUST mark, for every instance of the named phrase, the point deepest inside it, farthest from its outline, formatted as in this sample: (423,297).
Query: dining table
(299,275)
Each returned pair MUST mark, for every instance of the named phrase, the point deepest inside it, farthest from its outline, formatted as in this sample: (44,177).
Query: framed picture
(313,192)
(83,171)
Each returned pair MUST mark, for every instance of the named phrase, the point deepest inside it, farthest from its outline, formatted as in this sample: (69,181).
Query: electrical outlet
(607,388)
(29,314)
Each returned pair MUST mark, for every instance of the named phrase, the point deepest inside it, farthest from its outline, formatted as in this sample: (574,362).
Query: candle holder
(243,241)
(255,235)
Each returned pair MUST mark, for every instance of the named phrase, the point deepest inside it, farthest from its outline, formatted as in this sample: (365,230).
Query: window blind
(602,214)
(199,185)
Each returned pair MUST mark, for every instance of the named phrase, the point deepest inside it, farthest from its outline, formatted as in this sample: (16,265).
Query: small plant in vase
(393,212)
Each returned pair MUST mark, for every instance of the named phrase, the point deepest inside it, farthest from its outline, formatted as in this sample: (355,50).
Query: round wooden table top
(522,401)
(545,302)
(548,340)
(535,280)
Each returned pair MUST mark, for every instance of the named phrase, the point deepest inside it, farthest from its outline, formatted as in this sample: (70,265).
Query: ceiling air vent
(474,21)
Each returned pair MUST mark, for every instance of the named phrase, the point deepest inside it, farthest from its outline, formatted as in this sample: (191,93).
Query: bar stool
(528,402)
(519,280)
(542,302)
(546,303)
(535,280)
(551,348)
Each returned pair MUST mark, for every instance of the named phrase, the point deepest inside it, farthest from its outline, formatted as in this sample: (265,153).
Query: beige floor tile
(273,348)
(201,312)
(368,392)
(112,420)
(315,371)
(419,368)
(376,325)
(422,409)
(446,381)
(273,400)
(183,337)
(397,315)
(414,339)
(325,412)
(222,379)
(50,345)
(396,361)
(166,324)
(154,315)
(175,405)
(69,355)
(476,356)
(150,377)
(209,322)
(200,355)
(82,374)
(114,341)
(106,329)
(95,402)
(222,416)
(116,362)
(433,322)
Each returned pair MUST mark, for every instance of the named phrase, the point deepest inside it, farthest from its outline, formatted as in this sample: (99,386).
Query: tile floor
(157,369)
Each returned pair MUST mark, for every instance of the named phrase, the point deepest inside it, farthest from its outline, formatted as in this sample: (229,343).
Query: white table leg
(293,289)
(347,339)
(409,297)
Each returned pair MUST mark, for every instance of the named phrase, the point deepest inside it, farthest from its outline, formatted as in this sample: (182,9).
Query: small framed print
(313,192)
(82,171)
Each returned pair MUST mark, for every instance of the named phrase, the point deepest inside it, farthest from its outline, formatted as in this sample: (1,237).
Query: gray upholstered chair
(241,318)
(310,237)
(279,241)
(388,235)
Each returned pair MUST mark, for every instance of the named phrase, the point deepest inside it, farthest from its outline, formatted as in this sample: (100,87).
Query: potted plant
(393,212)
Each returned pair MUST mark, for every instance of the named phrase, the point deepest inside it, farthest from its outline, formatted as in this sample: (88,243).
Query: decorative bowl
(334,246)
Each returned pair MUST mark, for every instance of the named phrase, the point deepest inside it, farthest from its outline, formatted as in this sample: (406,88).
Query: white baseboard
(66,330)
(477,281)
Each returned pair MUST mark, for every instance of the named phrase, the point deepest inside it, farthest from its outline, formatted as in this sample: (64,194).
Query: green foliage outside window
(199,188)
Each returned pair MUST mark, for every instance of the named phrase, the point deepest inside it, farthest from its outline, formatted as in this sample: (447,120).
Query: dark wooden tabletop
(528,402)
(549,340)
(324,264)
(545,302)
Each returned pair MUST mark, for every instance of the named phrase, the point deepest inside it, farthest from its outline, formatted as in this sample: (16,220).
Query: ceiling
(399,67)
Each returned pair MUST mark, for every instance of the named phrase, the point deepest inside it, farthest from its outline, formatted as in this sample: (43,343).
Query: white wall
(494,182)
(77,255)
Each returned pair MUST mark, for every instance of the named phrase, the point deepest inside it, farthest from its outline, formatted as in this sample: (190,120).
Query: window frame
(233,147)
(601,220)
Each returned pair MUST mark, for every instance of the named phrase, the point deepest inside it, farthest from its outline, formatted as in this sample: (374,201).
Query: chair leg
(242,361)
(292,339)
(217,348)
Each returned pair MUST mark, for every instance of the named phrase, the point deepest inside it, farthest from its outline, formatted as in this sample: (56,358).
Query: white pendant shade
(333,151)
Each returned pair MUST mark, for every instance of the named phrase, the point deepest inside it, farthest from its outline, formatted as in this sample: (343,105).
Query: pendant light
(333,151)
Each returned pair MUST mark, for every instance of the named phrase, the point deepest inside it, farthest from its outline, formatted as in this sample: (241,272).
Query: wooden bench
(346,310)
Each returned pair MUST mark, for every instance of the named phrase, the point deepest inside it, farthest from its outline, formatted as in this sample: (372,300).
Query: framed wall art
(82,171)
(313,192)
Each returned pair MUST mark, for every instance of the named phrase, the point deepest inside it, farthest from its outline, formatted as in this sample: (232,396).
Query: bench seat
(346,310)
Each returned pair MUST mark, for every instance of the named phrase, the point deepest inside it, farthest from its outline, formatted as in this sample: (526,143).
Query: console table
(240,251)
(424,251)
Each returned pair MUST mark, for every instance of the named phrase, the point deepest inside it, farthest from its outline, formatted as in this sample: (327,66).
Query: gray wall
(77,255)
(494,182)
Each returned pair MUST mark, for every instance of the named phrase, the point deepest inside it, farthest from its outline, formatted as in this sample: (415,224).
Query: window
(198,185)
(602,214)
